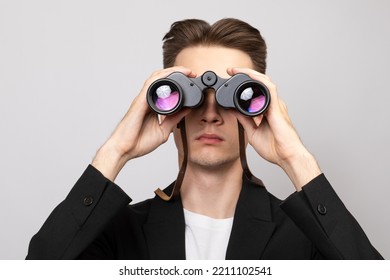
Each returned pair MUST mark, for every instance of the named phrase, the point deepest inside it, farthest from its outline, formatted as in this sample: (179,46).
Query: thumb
(169,122)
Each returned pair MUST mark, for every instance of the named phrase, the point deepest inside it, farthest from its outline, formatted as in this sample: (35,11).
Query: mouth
(208,138)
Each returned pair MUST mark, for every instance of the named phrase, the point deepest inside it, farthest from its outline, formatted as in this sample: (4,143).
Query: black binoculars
(168,95)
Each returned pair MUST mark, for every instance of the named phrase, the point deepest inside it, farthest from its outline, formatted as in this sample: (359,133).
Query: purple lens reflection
(168,103)
(256,104)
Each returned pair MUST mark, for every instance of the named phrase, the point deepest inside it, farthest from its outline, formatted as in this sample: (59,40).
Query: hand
(274,137)
(139,132)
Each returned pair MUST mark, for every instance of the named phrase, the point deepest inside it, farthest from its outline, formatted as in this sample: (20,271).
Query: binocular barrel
(168,95)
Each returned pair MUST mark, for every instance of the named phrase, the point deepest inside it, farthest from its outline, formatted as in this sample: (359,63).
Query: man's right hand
(139,132)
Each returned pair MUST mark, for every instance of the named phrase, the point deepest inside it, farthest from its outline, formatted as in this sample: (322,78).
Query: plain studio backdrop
(70,69)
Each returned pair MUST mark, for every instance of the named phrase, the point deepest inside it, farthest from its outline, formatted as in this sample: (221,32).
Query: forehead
(215,58)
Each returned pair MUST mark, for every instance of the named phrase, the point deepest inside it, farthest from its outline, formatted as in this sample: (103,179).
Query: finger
(247,123)
(167,71)
(163,73)
(258,119)
(250,72)
(266,80)
(169,122)
(255,75)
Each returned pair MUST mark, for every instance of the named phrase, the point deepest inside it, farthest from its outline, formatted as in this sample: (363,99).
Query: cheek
(230,120)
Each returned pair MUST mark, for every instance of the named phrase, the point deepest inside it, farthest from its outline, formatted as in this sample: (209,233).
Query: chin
(212,162)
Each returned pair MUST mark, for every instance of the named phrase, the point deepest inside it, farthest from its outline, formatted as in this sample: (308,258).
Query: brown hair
(228,32)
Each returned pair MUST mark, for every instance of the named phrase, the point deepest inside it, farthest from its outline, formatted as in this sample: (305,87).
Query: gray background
(69,70)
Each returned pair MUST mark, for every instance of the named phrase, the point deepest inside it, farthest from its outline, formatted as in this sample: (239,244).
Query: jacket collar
(252,226)
(165,229)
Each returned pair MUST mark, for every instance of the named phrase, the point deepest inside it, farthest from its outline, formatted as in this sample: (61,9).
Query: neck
(211,191)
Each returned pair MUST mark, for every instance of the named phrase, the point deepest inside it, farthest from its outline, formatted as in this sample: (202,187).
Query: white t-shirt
(206,238)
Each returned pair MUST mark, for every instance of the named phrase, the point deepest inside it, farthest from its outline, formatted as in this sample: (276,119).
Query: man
(218,209)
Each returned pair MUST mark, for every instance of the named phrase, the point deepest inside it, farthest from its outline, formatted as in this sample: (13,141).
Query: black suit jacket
(95,221)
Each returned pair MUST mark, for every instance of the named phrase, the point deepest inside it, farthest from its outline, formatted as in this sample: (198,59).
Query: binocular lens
(251,100)
(164,98)
(168,95)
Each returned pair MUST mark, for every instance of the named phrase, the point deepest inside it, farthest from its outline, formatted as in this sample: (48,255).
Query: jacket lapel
(165,229)
(252,225)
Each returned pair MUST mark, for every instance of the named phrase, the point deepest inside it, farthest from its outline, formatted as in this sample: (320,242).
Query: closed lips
(210,137)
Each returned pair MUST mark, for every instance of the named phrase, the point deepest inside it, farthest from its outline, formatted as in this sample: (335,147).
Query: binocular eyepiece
(168,95)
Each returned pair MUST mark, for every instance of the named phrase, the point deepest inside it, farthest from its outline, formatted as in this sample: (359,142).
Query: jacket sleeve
(79,219)
(322,216)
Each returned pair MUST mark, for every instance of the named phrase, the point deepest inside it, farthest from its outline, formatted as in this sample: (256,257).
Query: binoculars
(168,95)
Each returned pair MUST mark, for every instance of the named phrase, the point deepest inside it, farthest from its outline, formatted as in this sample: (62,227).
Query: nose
(210,110)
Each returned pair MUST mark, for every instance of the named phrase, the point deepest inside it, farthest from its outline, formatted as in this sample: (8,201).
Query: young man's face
(212,132)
